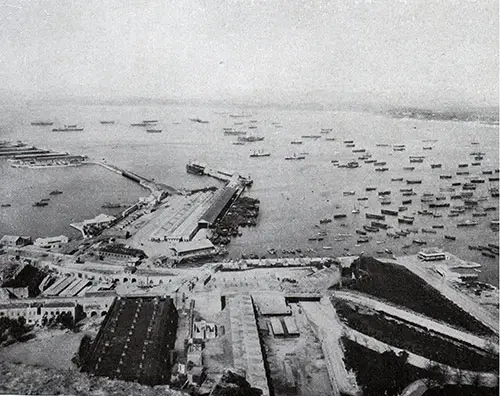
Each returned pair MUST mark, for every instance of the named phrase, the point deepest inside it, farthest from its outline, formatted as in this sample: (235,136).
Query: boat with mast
(68,128)
(259,153)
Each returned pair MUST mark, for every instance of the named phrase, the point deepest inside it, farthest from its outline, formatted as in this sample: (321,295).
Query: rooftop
(102,218)
(186,247)
(431,250)
(52,239)
(29,277)
(135,341)
(219,203)
(14,305)
(271,304)
(58,304)
(119,248)
(9,239)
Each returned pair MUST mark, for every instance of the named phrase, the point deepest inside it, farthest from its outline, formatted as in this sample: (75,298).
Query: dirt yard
(50,348)
(297,364)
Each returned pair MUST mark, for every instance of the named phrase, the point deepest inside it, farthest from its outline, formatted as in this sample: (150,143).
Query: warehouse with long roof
(136,341)
(221,203)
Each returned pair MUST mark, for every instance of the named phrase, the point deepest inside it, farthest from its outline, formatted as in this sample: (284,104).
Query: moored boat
(68,128)
(295,156)
(260,153)
(42,123)
(467,223)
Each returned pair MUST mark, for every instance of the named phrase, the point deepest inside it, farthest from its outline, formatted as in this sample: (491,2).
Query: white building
(102,219)
(192,249)
(431,255)
(51,242)
(34,312)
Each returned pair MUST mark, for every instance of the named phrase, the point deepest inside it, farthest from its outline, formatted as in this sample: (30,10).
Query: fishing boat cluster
(467,194)
(456,198)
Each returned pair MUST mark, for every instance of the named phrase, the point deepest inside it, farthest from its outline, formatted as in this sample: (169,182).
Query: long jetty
(151,185)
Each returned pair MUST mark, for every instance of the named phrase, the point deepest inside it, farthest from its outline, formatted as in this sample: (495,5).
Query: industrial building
(194,249)
(34,312)
(51,242)
(247,352)
(25,283)
(277,327)
(15,240)
(66,286)
(222,201)
(291,326)
(271,304)
(431,255)
(121,251)
(135,341)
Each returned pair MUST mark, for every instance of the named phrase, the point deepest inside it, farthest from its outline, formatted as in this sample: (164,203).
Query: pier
(197,168)
(148,184)
(24,151)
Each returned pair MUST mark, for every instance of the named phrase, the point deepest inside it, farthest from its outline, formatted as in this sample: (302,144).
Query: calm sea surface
(294,195)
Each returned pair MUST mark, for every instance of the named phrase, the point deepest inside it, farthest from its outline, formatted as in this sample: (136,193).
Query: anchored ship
(250,138)
(295,156)
(260,153)
(41,123)
(68,128)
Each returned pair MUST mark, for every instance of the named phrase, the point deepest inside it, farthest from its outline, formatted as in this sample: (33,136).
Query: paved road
(454,375)
(325,320)
(418,320)
(463,301)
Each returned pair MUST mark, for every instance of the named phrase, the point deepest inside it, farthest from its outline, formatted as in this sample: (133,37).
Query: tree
(16,328)
(66,320)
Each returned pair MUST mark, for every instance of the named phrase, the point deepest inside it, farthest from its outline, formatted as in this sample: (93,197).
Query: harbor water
(294,195)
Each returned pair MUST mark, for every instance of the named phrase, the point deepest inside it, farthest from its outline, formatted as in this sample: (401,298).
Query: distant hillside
(485,115)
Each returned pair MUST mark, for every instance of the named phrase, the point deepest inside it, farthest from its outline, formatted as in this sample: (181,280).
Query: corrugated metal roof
(218,205)
(9,238)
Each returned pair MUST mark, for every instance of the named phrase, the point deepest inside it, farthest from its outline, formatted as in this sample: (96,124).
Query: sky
(410,52)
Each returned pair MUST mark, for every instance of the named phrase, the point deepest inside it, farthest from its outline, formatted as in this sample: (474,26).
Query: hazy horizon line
(304,101)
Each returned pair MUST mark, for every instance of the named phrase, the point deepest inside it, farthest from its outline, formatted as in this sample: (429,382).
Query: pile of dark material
(232,384)
(380,374)
(398,285)
(415,340)
(242,213)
